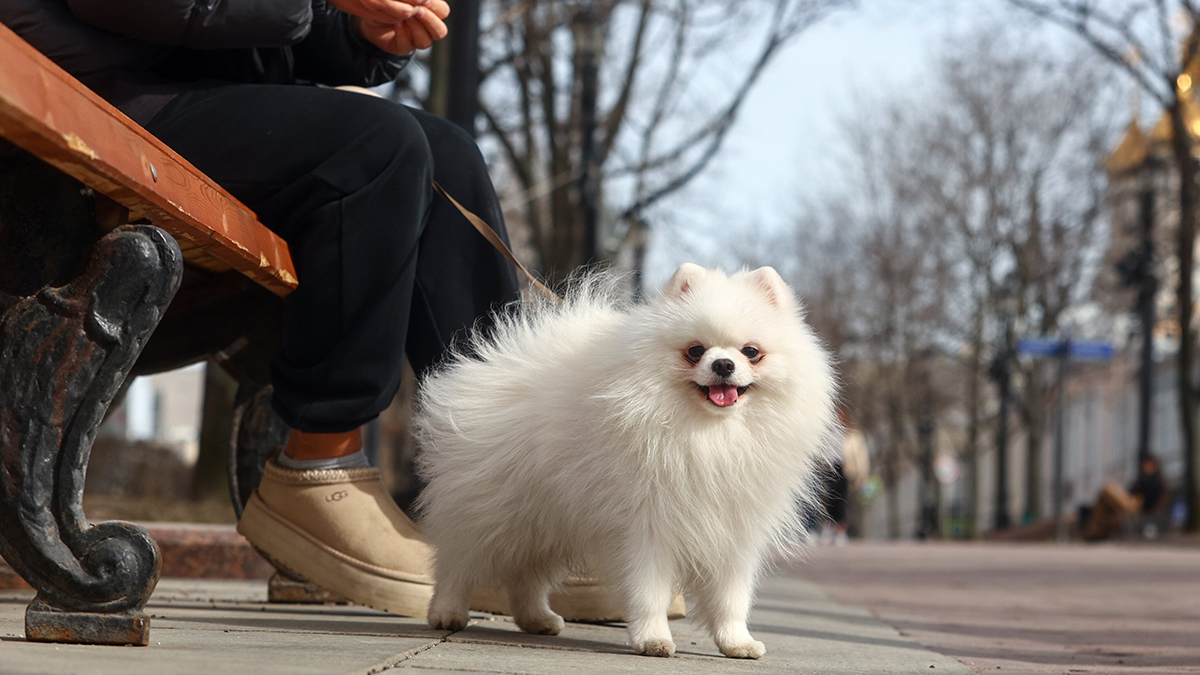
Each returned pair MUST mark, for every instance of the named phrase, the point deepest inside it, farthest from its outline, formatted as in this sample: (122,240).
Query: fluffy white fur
(578,437)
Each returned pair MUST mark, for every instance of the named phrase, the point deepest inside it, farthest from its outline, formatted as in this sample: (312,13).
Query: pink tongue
(723,395)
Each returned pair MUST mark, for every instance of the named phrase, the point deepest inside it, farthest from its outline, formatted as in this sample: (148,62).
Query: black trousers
(385,267)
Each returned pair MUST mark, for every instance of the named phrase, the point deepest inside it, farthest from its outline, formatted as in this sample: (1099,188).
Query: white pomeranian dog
(661,446)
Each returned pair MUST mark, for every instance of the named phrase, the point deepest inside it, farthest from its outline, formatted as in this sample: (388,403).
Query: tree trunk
(1188,170)
(971,452)
(1034,439)
(893,463)
(891,486)
(1035,430)
(210,476)
(438,100)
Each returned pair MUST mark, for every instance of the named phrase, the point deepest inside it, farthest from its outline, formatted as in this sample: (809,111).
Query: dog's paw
(447,620)
(746,650)
(551,624)
(655,647)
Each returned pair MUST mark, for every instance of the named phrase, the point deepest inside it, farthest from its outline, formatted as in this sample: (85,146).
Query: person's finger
(401,42)
(387,37)
(399,10)
(383,38)
(387,11)
(417,33)
(404,35)
(439,7)
(433,25)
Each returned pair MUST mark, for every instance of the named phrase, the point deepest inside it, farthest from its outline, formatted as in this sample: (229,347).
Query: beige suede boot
(340,529)
(580,599)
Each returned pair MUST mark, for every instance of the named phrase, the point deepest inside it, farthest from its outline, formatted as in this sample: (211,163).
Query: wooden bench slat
(203,259)
(49,113)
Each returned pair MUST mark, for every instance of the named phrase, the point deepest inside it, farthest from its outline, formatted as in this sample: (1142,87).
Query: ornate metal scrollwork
(64,353)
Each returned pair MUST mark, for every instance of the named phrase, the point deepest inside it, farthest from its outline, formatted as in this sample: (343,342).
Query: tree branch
(781,33)
(616,117)
(1077,20)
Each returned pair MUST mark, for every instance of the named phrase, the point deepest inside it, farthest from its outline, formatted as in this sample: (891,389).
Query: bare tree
(877,293)
(1012,172)
(900,341)
(872,292)
(660,116)
(1155,42)
(985,180)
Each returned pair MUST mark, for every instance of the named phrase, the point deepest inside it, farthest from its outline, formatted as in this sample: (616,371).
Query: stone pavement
(217,627)
(1017,609)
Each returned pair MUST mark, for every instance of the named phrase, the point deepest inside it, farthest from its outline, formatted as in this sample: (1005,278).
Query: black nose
(723,367)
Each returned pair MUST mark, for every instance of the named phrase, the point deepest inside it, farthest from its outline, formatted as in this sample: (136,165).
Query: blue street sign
(1092,351)
(1040,347)
(1081,351)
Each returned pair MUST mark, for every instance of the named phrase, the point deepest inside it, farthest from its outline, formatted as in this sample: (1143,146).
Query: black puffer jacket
(138,53)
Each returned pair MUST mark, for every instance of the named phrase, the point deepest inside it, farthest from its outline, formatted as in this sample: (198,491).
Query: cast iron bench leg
(64,353)
(257,429)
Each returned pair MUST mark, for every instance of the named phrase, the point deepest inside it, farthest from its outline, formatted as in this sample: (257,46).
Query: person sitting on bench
(385,269)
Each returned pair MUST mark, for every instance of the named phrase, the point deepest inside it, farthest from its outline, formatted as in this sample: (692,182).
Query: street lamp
(929,497)
(1137,271)
(928,526)
(1000,371)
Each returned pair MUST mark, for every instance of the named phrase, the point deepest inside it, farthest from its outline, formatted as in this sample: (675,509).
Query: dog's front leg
(723,603)
(448,610)
(648,590)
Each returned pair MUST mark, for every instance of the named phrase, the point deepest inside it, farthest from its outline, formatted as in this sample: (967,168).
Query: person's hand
(383,11)
(408,35)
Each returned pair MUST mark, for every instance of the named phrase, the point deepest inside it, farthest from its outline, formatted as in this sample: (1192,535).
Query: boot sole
(301,554)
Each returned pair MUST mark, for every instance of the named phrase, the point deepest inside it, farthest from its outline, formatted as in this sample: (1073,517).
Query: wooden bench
(117,258)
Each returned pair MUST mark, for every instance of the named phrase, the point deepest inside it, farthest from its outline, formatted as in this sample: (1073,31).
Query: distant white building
(166,408)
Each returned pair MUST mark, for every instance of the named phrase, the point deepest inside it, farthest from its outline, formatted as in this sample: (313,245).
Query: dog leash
(494,239)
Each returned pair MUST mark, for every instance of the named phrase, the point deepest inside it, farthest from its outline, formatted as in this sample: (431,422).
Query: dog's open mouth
(723,395)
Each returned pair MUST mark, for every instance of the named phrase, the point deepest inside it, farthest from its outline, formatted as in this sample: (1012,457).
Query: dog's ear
(683,280)
(773,286)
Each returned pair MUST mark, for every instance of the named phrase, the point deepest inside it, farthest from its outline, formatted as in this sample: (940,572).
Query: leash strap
(498,243)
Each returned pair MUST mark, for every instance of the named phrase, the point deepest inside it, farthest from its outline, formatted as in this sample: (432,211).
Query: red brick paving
(1029,608)
(197,550)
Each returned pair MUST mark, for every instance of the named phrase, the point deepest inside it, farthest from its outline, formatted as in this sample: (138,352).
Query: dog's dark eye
(695,353)
(751,352)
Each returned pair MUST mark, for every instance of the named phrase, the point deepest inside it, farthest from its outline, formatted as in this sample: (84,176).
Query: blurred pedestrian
(846,475)
(1146,497)
(1150,486)
(1114,505)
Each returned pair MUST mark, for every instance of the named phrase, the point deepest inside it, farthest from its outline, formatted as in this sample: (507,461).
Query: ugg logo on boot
(337,496)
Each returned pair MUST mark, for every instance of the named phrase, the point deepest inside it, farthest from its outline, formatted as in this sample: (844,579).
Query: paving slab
(193,604)
(804,631)
(1029,609)
(217,652)
(218,627)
